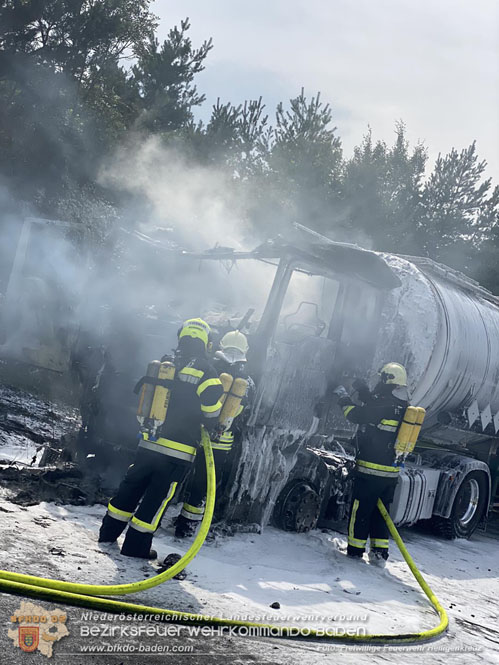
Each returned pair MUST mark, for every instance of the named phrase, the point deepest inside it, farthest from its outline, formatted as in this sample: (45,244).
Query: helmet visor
(232,355)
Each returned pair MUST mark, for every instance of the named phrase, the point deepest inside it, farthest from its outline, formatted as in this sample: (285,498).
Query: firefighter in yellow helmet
(230,360)
(376,475)
(163,461)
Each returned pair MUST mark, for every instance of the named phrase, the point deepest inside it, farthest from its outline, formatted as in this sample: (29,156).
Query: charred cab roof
(309,252)
(319,259)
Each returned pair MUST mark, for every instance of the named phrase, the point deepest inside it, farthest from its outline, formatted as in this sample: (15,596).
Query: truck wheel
(467,509)
(297,508)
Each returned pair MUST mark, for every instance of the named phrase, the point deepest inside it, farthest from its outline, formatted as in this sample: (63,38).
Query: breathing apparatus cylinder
(155,395)
(147,393)
(420,416)
(409,431)
(162,395)
(227,381)
(232,402)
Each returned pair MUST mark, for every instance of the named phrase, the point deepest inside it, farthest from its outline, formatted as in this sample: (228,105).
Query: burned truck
(353,311)
(326,313)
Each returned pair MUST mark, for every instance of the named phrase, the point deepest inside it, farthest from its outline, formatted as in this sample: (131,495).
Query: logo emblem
(29,637)
(34,628)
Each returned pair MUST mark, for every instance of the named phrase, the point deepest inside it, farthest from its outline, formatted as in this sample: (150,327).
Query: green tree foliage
(454,199)
(307,151)
(77,36)
(63,93)
(79,77)
(237,136)
(299,167)
(164,76)
(486,236)
(67,95)
(382,191)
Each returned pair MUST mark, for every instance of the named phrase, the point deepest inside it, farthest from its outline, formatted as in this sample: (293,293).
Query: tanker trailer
(357,310)
(445,329)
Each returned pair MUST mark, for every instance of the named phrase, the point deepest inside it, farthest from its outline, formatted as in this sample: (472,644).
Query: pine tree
(485,265)
(382,191)
(64,94)
(164,76)
(454,199)
(305,160)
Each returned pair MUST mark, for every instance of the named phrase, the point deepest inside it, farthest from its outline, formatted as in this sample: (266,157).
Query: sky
(432,63)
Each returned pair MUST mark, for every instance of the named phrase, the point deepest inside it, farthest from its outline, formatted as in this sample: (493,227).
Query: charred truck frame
(297,450)
(292,466)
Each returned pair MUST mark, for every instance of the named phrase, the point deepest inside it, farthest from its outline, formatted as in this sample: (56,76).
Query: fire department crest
(35,628)
(28,637)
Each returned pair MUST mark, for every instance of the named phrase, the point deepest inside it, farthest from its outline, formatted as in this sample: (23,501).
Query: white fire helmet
(234,346)
(393,373)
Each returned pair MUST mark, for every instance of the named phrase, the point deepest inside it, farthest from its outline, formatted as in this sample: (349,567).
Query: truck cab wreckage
(296,450)
(334,312)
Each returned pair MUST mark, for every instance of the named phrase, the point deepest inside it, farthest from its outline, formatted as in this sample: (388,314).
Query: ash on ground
(37,460)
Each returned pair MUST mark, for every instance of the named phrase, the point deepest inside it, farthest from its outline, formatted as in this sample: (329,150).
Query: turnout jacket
(224,440)
(194,401)
(379,419)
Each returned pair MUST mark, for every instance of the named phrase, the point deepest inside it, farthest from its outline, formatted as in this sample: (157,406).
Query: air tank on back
(444,328)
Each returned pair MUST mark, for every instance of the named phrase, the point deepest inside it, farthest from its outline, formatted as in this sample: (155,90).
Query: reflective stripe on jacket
(194,401)
(379,420)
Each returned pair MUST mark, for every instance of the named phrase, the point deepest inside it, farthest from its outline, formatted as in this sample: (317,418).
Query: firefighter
(376,474)
(163,462)
(229,360)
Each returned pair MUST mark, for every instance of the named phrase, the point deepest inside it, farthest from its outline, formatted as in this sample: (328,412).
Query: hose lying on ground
(86,595)
(135,587)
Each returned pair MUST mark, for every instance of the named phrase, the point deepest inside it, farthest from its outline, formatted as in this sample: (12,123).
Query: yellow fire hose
(85,595)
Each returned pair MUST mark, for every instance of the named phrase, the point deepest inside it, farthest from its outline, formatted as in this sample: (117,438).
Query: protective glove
(362,389)
(216,430)
(359,384)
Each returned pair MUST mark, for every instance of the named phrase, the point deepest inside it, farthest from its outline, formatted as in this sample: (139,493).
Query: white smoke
(202,206)
(198,201)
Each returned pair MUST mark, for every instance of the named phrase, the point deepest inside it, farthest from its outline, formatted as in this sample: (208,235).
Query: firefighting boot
(184,527)
(110,529)
(378,556)
(138,544)
(355,552)
(152,554)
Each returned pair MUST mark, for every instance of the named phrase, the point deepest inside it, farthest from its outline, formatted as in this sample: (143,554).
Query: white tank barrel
(445,329)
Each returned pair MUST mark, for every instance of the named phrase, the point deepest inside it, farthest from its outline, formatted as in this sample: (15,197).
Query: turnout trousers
(193,508)
(365,520)
(151,480)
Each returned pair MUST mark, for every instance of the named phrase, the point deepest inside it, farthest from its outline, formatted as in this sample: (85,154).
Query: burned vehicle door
(325,334)
(301,355)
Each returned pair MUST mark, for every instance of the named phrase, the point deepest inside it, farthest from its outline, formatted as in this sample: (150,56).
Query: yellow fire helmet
(393,373)
(234,346)
(196,328)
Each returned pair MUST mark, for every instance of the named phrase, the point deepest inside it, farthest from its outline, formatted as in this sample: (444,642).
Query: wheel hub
(469,501)
(300,509)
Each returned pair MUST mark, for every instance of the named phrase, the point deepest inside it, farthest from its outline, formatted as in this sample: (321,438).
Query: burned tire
(467,510)
(297,508)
